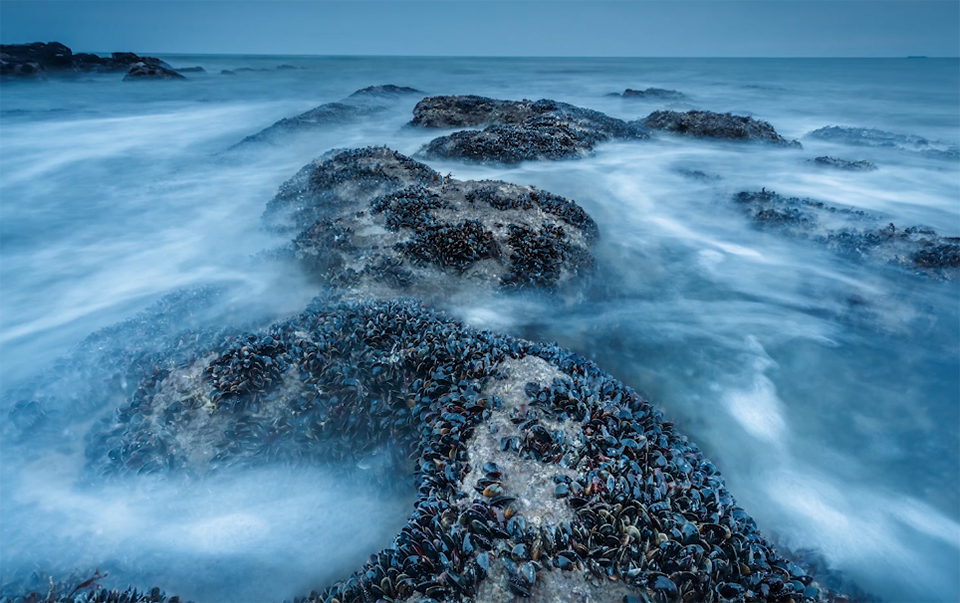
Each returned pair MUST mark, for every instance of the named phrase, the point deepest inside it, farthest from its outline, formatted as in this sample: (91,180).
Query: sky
(644,28)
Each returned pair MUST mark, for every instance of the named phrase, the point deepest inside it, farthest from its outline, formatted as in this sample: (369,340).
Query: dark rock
(853,233)
(286,68)
(372,221)
(869,137)
(654,94)
(362,103)
(227,72)
(724,126)
(196,69)
(250,69)
(518,130)
(55,58)
(843,164)
(144,70)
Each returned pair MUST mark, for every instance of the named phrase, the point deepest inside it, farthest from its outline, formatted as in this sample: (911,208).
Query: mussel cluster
(708,124)
(853,233)
(376,223)
(634,508)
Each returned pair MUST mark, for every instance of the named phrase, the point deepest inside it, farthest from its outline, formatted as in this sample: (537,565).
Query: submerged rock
(854,233)
(38,59)
(725,126)
(538,474)
(144,70)
(362,103)
(376,223)
(843,164)
(870,137)
(516,130)
(653,93)
(197,69)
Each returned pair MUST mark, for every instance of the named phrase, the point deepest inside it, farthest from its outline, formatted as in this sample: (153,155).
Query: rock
(654,94)
(853,233)
(517,130)
(142,70)
(196,69)
(869,137)
(493,424)
(725,126)
(375,223)
(286,68)
(843,164)
(362,103)
(227,72)
(55,58)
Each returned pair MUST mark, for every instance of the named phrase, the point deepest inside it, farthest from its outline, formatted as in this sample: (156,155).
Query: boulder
(723,126)
(653,94)
(362,103)
(516,130)
(196,69)
(142,70)
(374,223)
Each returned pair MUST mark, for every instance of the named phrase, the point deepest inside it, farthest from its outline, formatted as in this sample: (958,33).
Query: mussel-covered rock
(362,103)
(516,130)
(844,164)
(854,233)
(376,223)
(494,424)
(724,126)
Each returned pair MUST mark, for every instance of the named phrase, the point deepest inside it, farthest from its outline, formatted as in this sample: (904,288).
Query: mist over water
(826,391)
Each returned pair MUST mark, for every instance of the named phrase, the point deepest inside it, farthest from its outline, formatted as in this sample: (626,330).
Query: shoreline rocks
(375,223)
(853,233)
(362,103)
(516,130)
(723,126)
(40,59)
(843,164)
(871,137)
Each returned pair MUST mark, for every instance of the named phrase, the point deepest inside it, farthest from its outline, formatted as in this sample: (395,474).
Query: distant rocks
(723,126)
(869,137)
(196,69)
(144,70)
(40,59)
(374,223)
(227,72)
(853,233)
(843,164)
(362,103)
(651,94)
(516,130)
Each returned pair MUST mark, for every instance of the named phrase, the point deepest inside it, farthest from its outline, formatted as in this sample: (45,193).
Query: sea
(825,389)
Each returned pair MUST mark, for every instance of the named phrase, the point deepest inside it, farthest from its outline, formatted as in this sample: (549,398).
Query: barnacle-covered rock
(725,126)
(376,223)
(538,474)
(362,103)
(854,233)
(516,130)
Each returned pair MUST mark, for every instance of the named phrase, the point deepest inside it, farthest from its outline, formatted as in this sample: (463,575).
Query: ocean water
(826,391)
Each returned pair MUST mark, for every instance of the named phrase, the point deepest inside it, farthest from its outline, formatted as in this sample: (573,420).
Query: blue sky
(676,28)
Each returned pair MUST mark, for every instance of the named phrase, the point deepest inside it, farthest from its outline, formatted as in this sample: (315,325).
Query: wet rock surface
(843,164)
(39,59)
(490,421)
(373,222)
(516,130)
(871,137)
(362,103)
(854,233)
(724,126)
(652,94)
(148,70)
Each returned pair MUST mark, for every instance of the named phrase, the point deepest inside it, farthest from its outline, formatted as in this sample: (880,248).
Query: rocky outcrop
(854,233)
(40,59)
(143,70)
(722,126)
(197,69)
(516,130)
(362,103)
(651,94)
(870,137)
(843,164)
(538,475)
(375,223)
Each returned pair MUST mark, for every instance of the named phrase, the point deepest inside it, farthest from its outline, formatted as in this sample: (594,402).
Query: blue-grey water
(826,391)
